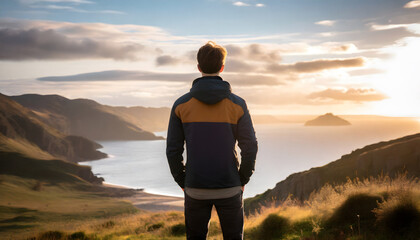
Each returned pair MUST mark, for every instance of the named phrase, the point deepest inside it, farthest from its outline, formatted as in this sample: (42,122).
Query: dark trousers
(230,212)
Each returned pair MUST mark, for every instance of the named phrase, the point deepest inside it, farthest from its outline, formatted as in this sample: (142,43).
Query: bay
(283,149)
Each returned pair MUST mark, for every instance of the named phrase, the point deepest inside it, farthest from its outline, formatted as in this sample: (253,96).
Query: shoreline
(148,201)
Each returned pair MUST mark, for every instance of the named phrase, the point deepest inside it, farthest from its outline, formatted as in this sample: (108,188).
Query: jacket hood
(210,89)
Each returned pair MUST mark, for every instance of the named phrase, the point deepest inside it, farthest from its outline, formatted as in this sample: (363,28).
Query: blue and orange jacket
(210,119)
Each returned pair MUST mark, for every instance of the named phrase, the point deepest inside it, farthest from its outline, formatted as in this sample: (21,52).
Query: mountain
(387,158)
(83,117)
(327,119)
(25,132)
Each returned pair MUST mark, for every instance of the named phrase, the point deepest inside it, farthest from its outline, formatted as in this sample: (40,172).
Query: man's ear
(222,68)
(199,69)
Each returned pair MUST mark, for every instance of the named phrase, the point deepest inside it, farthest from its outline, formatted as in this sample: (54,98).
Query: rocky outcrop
(83,117)
(83,147)
(327,119)
(388,158)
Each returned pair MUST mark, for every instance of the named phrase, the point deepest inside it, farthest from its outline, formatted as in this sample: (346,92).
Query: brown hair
(211,57)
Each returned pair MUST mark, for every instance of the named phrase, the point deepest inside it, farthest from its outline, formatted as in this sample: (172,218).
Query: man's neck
(210,74)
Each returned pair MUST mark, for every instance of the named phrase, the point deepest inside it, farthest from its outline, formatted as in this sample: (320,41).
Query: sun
(401,83)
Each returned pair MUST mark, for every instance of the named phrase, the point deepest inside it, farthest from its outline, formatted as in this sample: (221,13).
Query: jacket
(210,119)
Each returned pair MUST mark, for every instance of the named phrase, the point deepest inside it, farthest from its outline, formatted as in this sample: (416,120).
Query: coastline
(147,201)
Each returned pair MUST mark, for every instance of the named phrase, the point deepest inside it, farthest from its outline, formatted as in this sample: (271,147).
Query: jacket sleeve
(175,148)
(247,142)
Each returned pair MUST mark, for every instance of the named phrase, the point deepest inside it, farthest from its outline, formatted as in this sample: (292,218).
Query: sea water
(283,149)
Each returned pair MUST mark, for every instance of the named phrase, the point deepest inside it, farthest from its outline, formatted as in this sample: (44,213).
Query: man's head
(211,58)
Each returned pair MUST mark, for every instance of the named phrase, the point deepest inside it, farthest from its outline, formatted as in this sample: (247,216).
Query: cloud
(56,1)
(68,5)
(27,40)
(327,23)
(349,47)
(121,75)
(74,9)
(413,4)
(351,94)
(236,65)
(50,44)
(241,4)
(251,79)
(364,72)
(377,27)
(316,65)
(240,58)
(167,60)
(253,52)
(260,5)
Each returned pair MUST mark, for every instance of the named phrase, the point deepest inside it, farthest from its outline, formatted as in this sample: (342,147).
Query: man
(210,119)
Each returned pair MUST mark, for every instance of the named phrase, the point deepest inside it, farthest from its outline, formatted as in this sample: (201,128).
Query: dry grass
(305,220)
(308,219)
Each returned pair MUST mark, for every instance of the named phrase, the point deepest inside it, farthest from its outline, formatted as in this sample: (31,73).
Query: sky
(288,57)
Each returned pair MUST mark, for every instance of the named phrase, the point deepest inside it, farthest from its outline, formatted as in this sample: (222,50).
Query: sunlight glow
(401,83)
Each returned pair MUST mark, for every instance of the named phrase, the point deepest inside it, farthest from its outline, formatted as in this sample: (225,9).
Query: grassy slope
(82,117)
(21,130)
(38,194)
(26,209)
(391,157)
(97,220)
(54,171)
(9,145)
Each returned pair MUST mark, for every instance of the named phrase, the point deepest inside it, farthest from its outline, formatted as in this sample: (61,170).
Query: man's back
(210,119)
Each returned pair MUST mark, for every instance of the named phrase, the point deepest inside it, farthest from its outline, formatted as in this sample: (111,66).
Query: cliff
(388,158)
(54,171)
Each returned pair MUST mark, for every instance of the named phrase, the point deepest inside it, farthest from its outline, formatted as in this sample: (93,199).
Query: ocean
(283,149)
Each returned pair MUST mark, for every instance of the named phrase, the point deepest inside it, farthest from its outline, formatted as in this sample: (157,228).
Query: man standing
(210,119)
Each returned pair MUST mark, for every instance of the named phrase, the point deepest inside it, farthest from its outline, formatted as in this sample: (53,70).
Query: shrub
(356,210)
(178,229)
(51,235)
(108,224)
(304,227)
(38,186)
(399,218)
(155,226)
(273,226)
(78,236)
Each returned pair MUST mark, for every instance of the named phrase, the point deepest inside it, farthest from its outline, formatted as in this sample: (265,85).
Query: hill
(327,119)
(147,118)
(40,183)
(38,194)
(84,117)
(388,158)
(24,132)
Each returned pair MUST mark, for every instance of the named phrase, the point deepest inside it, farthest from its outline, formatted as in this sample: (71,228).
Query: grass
(382,204)
(375,208)
(24,211)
